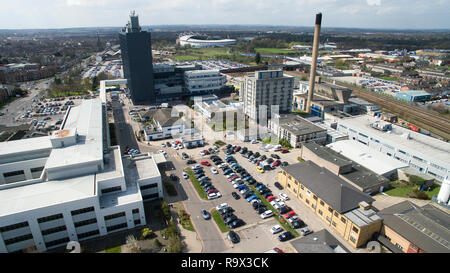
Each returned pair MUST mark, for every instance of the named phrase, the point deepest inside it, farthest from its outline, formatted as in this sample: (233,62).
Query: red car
(271,198)
(206,163)
(278,250)
(237,149)
(276,163)
(232,178)
(289,214)
(206,152)
(212,191)
(284,151)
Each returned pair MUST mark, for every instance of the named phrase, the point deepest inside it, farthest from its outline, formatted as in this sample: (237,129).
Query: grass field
(218,219)
(282,222)
(269,50)
(403,191)
(196,184)
(114,249)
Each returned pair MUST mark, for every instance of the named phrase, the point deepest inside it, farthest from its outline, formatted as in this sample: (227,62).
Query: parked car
(278,185)
(275,156)
(289,214)
(214,170)
(283,196)
(205,214)
(233,237)
(185,175)
(260,169)
(235,195)
(283,151)
(285,236)
(173,177)
(184,155)
(222,206)
(236,223)
(191,161)
(284,163)
(214,195)
(297,224)
(205,163)
(276,229)
(266,214)
(252,197)
(305,231)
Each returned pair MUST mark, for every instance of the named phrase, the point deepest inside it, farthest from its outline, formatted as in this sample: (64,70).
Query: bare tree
(133,244)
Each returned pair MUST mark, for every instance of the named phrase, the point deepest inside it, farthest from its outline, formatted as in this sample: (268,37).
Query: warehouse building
(423,153)
(340,205)
(413,95)
(358,176)
(72,185)
(375,161)
(414,229)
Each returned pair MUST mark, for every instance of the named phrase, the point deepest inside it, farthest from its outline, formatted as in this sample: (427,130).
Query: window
(301,196)
(355,229)
(50,218)
(314,197)
(12,227)
(112,189)
(149,196)
(320,212)
(123,225)
(289,185)
(330,210)
(9,174)
(85,222)
(116,215)
(295,190)
(301,187)
(57,242)
(343,220)
(53,230)
(353,239)
(334,224)
(87,234)
(322,203)
(149,186)
(328,219)
(307,201)
(38,169)
(135,211)
(137,222)
(18,239)
(80,211)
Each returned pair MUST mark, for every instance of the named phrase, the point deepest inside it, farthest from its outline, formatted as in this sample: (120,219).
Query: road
(211,237)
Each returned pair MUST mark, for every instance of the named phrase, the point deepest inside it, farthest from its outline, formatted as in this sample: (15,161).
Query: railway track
(432,122)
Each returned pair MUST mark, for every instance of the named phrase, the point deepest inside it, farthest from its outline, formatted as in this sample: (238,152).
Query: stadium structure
(199,40)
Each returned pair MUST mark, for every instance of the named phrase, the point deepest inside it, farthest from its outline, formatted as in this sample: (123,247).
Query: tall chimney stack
(312,75)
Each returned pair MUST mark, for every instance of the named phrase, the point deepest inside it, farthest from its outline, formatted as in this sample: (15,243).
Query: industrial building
(136,51)
(296,130)
(371,159)
(72,185)
(340,205)
(353,173)
(414,229)
(264,90)
(424,153)
(413,95)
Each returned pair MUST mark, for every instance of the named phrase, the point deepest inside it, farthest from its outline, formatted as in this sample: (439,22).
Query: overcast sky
(403,14)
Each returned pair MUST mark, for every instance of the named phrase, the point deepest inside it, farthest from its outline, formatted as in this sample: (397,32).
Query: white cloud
(373,2)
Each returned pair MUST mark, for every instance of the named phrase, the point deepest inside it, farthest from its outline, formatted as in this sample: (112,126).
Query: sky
(391,14)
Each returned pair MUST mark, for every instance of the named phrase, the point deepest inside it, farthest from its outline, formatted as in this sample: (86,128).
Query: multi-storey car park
(72,185)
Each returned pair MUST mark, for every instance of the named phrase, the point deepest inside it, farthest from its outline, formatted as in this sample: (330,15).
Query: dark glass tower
(136,51)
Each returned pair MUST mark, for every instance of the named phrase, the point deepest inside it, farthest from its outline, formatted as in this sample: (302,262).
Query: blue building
(413,95)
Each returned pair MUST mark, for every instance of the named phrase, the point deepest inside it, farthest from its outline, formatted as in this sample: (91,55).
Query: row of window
(12,227)
(150,196)
(18,239)
(112,189)
(85,222)
(88,234)
(53,230)
(57,242)
(81,211)
(149,186)
(9,174)
(50,218)
(116,215)
(119,226)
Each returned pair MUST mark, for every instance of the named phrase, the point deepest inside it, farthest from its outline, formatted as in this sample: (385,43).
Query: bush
(146,233)
(416,180)
(157,243)
(175,245)
(165,210)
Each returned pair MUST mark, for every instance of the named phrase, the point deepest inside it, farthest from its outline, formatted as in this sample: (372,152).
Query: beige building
(264,90)
(343,207)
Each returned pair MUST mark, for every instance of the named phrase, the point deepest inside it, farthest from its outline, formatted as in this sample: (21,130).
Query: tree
(133,244)
(258,58)
(175,245)
(146,233)
(95,83)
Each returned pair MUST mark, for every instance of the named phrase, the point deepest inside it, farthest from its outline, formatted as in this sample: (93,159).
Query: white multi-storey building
(266,88)
(72,185)
(423,153)
(204,81)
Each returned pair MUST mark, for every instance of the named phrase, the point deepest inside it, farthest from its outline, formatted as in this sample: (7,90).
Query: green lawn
(218,219)
(402,190)
(283,222)
(185,58)
(196,184)
(114,249)
(269,50)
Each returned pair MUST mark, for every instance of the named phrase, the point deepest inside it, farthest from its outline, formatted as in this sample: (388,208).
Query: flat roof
(30,197)
(87,120)
(298,125)
(402,138)
(10,148)
(321,241)
(367,157)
